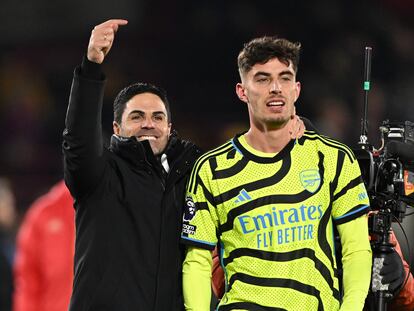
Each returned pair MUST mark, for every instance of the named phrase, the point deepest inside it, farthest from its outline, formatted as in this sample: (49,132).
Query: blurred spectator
(25,107)
(43,271)
(7,221)
(334,118)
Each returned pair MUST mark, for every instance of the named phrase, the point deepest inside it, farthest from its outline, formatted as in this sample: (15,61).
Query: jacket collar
(134,151)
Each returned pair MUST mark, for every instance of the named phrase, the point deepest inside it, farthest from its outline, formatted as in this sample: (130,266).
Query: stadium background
(190,48)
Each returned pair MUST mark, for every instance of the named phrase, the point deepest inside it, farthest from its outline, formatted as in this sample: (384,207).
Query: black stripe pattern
(279,282)
(281,163)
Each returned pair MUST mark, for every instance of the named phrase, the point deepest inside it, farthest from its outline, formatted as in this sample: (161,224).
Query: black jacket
(128,215)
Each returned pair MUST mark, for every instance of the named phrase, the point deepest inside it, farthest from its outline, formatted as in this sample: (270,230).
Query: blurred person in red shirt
(43,271)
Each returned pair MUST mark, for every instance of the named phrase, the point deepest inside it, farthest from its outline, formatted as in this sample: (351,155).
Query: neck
(268,140)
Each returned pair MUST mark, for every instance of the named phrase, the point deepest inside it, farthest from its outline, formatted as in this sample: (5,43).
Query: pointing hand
(101,39)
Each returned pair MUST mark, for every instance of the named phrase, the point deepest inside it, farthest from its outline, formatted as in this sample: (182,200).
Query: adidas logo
(243,196)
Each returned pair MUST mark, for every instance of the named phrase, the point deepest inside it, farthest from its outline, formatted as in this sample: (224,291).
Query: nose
(148,123)
(274,88)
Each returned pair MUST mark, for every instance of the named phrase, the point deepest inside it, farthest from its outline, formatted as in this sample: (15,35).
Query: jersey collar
(236,141)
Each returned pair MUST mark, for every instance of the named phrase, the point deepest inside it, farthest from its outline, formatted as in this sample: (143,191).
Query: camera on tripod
(388,174)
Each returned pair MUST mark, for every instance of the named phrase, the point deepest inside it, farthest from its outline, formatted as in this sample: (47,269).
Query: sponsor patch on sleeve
(188,229)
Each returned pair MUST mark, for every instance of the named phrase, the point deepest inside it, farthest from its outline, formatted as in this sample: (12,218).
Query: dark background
(190,49)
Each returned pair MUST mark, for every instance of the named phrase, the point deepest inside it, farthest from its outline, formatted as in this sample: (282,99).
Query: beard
(276,122)
(158,146)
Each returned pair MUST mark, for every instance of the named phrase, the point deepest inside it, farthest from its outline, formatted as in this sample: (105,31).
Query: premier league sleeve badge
(189,209)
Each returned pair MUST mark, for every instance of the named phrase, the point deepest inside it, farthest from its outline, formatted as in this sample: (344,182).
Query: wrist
(91,69)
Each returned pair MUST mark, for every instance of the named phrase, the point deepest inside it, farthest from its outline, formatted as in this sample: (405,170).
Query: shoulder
(224,151)
(207,163)
(190,147)
(326,144)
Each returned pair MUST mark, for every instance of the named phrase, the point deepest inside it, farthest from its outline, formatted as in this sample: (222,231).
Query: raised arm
(82,137)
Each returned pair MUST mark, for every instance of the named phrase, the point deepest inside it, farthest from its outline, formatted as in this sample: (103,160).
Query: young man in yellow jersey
(270,203)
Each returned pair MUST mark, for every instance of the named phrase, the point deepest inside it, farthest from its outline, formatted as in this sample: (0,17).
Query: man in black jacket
(128,199)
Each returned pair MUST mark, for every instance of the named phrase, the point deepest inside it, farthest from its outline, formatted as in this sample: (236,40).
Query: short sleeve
(350,198)
(200,218)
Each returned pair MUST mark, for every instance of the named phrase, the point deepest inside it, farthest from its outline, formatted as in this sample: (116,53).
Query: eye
(286,78)
(158,117)
(136,117)
(262,80)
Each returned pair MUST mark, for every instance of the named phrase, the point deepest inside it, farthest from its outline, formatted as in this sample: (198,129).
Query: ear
(298,88)
(116,127)
(241,92)
(169,128)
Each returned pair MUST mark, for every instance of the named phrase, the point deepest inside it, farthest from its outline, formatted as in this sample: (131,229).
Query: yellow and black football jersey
(273,218)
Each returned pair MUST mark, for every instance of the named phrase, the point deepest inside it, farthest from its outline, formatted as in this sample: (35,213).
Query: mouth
(146,137)
(275,103)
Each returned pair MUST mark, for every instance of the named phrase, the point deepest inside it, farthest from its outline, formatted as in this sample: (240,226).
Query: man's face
(145,117)
(270,91)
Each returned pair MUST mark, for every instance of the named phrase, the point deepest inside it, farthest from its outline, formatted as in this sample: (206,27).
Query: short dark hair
(134,89)
(261,50)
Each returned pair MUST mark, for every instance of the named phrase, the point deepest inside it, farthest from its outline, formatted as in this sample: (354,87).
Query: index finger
(113,23)
(119,22)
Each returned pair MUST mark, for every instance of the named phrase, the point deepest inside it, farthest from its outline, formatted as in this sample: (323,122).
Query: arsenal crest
(310,179)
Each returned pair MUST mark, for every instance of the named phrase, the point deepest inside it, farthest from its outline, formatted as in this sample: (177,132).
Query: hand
(393,271)
(102,38)
(217,276)
(297,127)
